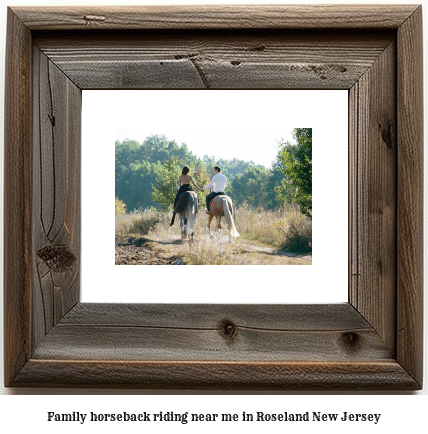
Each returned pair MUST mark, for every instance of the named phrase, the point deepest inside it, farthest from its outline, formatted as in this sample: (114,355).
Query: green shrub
(295,233)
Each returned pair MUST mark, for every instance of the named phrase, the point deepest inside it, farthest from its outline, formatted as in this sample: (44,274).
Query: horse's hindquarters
(221,206)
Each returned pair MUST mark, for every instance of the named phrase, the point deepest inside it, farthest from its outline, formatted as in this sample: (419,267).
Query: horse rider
(219,183)
(184,181)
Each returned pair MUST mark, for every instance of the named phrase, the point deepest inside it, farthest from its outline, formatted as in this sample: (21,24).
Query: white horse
(221,206)
(188,217)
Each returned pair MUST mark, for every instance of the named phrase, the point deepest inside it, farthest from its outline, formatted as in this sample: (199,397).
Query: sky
(249,144)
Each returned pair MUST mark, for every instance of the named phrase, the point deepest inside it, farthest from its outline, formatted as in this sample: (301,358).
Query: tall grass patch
(257,223)
(212,251)
(295,232)
(139,221)
(285,228)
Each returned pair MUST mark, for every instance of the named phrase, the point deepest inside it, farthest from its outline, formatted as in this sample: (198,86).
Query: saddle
(220,194)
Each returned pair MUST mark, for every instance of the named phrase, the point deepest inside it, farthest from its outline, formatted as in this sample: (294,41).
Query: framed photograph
(371,341)
(243,129)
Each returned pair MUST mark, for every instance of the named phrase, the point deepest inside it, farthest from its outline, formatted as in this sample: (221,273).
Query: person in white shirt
(219,183)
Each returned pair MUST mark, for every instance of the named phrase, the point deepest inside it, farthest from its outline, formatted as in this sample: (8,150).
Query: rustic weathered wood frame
(372,342)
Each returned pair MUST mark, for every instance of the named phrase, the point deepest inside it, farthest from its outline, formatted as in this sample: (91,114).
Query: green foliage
(274,181)
(120,207)
(229,168)
(201,178)
(165,187)
(296,165)
(138,166)
(251,187)
(147,174)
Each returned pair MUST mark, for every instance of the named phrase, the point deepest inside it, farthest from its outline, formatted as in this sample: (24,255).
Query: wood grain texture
(216,59)
(373,162)
(372,342)
(341,317)
(385,375)
(17,199)
(216,17)
(410,196)
(198,332)
(56,194)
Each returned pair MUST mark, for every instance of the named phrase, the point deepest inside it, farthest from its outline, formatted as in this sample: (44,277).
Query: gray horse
(188,217)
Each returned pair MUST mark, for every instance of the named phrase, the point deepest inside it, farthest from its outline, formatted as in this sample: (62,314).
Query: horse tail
(192,205)
(229,219)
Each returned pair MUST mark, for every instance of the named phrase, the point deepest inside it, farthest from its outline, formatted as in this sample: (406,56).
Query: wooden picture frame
(372,342)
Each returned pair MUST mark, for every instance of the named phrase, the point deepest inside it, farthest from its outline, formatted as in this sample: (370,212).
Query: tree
(251,187)
(120,207)
(141,166)
(201,178)
(296,165)
(138,165)
(126,152)
(229,168)
(165,187)
(273,183)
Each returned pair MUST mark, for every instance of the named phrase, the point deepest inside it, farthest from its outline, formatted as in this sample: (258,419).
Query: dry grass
(214,251)
(284,228)
(140,221)
(259,225)
(281,228)
(295,233)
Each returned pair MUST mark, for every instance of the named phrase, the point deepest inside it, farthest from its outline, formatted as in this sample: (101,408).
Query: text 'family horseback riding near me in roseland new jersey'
(188,417)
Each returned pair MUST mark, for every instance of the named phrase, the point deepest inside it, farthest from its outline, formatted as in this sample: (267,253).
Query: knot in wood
(351,340)
(228,330)
(58,259)
(94,18)
(186,56)
(386,134)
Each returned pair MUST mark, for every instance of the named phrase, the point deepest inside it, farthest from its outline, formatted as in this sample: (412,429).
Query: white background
(400,412)
(326,112)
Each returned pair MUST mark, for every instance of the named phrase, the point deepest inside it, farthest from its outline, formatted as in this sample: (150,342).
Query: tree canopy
(147,174)
(296,165)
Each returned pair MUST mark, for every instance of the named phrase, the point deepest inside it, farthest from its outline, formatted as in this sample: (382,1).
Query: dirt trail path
(262,249)
(129,251)
(169,250)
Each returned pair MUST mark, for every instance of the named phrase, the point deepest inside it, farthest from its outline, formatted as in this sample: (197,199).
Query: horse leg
(191,235)
(183,228)
(218,224)
(210,217)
